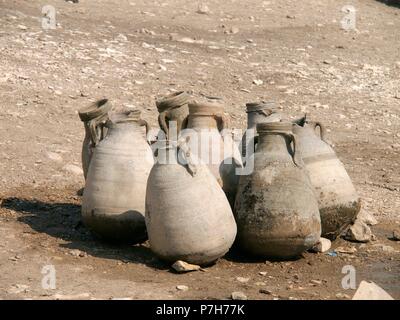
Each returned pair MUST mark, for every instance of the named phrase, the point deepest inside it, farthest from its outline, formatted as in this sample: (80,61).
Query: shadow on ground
(392,3)
(63,221)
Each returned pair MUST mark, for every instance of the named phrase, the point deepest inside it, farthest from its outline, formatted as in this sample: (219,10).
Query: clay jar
(338,200)
(113,204)
(276,210)
(187,214)
(93,117)
(173,108)
(212,142)
(258,112)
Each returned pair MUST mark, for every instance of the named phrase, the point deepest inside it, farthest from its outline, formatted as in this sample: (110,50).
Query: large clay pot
(113,204)
(338,200)
(258,112)
(212,142)
(276,210)
(187,214)
(173,108)
(93,117)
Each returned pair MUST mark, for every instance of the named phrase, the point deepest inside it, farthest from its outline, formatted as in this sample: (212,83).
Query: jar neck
(202,122)
(275,141)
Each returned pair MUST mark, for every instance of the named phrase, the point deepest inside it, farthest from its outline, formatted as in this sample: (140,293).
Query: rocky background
(296,53)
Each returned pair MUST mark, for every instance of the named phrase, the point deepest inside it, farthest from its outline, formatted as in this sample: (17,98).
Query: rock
(262,273)
(342,296)
(243,280)
(322,245)
(258,82)
(316,282)
(348,249)
(367,217)
(54,156)
(71,297)
(182,288)
(385,248)
(121,37)
(182,266)
(77,253)
(73,169)
(359,232)
(265,291)
(395,235)
(371,291)
(237,295)
(203,9)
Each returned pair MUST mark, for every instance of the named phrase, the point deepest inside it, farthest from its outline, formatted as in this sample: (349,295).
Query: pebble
(348,249)
(73,169)
(182,266)
(203,9)
(54,156)
(395,235)
(237,295)
(265,291)
(258,82)
(182,288)
(262,273)
(242,279)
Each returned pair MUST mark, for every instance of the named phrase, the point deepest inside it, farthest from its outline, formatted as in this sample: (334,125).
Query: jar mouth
(124,117)
(207,106)
(274,127)
(173,100)
(95,110)
(260,106)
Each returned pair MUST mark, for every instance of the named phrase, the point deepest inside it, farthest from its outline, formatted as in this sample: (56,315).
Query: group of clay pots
(194,210)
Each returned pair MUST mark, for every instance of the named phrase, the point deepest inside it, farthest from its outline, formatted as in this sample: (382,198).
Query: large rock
(359,232)
(371,291)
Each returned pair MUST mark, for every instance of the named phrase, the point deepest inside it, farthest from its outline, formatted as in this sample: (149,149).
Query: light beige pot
(114,197)
(212,142)
(93,117)
(276,210)
(338,200)
(187,214)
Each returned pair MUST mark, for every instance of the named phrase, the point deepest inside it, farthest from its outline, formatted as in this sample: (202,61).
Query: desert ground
(296,53)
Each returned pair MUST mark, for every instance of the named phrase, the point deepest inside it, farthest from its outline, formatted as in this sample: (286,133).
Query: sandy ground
(134,51)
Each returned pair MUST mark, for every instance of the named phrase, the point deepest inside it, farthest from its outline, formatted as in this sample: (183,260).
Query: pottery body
(212,143)
(113,203)
(187,214)
(338,200)
(276,210)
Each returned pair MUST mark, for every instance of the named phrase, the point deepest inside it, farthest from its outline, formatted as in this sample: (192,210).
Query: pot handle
(162,121)
(296,155)
(222,121)
(183,144)
(144,123)
(95,136)
(322,129)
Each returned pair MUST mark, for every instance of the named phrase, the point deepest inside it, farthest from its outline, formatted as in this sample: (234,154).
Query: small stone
(73,169)
(54,156)
(342,296)
(77,253)
(121,37)
(359,232)
(22,27)
(371,291)
(182,266)
(237,295)
(242,279)
(265,291)
(182,288)
(348,249)
(290,16)
(258,82)
(322,245)
(234,30)
(202,9)
(262,273)
(316,282)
